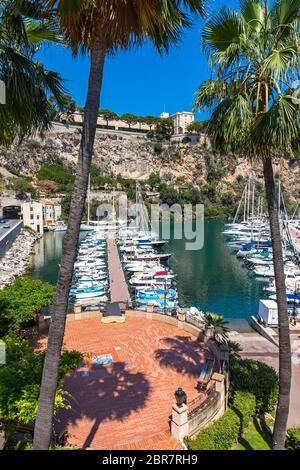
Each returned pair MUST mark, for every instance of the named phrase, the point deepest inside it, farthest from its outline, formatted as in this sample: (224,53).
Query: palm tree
(28,84)
(255,57)
(98,28)
(219,324)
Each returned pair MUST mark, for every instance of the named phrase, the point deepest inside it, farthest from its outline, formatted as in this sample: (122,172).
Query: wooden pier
(118,286)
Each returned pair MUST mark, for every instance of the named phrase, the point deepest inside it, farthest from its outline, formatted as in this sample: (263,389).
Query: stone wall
(211,409)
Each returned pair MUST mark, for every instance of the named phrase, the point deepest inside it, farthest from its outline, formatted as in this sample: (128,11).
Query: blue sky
(140,81)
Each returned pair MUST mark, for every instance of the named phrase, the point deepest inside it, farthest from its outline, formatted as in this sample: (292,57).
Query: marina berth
(91,282)
(149,278)
(149,257)
(256,252)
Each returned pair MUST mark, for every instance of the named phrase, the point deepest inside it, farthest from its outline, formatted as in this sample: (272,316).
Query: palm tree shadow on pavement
(183,354)
(105,393)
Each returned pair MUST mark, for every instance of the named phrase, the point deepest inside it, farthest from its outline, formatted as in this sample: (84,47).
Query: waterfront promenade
(118,285)
(127,405)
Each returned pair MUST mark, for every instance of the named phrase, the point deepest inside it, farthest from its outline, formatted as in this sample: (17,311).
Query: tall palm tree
(28,84)
(255,56)
(97,27)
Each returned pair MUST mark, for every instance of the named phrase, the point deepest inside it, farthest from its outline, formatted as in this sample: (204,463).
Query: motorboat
(87,292)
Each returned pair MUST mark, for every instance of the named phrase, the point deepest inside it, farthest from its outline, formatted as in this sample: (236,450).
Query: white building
(51,212)
(40,215)
(32,213)
(181,122)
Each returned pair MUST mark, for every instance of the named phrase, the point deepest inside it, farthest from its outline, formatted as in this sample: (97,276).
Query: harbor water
(212,279)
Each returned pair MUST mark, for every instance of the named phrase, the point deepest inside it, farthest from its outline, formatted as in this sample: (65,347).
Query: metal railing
(194,321)
(200,402)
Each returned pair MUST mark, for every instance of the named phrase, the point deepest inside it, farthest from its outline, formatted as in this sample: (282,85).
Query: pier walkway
(118,285)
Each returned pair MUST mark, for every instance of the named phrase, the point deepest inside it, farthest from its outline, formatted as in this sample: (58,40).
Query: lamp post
(181,397)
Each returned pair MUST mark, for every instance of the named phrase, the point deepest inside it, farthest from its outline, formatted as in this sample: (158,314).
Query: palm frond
(277,129)
(210,93)
(124,23)
(285,19)
(253,12)
(279,62)
(223,30)
(285,12)
(39,33)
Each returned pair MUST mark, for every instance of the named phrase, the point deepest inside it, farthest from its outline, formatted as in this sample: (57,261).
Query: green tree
(197,126)
(65,205)
(98,28)
(21,303)
(23,30)
(66,110)
(154,180)
(151,121)
(255,59)
(163,131)
(129,119)
(108,116)
(23,187)
(20,379)
(57,173)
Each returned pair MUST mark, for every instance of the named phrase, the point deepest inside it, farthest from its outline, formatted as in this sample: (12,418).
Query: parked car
(6,226)
(2,221)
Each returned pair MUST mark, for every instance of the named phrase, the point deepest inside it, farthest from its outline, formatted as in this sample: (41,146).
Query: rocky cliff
(138,157)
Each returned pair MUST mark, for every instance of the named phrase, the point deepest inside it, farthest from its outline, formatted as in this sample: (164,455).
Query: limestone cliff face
(138,158)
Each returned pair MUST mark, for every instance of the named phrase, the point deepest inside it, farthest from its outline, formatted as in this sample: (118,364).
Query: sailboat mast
(245,202)
(249,195)
(239,206)
(137,201)
(252,215)
(88,200)
(253,199)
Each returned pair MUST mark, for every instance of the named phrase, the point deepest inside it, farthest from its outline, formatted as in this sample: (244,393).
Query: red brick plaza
(127,405)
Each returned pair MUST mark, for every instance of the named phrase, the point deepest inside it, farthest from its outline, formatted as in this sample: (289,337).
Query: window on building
(31,216)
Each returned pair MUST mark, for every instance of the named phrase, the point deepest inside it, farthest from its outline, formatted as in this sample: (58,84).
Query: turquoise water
(211,279)
(214,280)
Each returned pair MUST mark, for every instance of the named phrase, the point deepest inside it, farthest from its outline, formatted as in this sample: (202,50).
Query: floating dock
(118,286)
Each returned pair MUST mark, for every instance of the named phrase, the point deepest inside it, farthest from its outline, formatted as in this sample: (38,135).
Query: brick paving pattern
(128,405)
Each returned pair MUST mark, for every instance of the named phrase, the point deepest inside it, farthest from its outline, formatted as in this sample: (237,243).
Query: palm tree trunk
(44,419)
(285,369)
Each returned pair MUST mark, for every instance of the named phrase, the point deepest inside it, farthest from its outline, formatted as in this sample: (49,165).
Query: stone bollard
(150,309)
(179,423)
(181,319)
(77,311)
(219,380)
(208,333)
